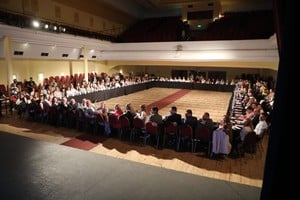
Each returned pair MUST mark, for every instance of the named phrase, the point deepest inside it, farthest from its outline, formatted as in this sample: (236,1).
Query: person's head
(129,107)
(88,102)
(154,110)
(262,116)
(226,118)
(173,110)
(72,101)
(64,100)
(117,107)
(249,109)
(221,124)
(188,113)
(205,116)
(143,107)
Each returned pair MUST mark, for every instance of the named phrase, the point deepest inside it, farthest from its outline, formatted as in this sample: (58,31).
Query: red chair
(170,133)
(248,145)
(115,124)
(138,128)
(125,126)
(99,123)
(185,134)
(202,136)
(151,130)
(3,90)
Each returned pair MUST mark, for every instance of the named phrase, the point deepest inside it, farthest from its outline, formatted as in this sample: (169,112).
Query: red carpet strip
(168,99)
(84,142)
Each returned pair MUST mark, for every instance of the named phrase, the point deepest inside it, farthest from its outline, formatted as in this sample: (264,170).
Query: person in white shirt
(262,125)
(142,112)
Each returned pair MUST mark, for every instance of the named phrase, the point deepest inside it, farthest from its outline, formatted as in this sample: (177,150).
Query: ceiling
(127,12)
(144,8)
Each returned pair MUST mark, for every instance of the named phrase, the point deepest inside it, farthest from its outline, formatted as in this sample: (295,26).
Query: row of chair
(171,135)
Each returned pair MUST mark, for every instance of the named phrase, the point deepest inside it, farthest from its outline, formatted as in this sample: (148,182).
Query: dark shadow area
(41,170)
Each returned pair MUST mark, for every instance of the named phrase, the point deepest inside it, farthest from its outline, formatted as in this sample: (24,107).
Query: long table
(4,104)
(115,92)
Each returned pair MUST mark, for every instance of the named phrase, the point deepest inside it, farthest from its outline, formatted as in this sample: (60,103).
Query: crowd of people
(52,102)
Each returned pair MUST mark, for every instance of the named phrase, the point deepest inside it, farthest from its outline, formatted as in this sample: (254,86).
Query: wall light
(35,24)
(41,77)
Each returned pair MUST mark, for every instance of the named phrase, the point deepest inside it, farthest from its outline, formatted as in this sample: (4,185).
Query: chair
(185,133)
(90,122)
(151,130)
(100,126)
(138,128)
(3,90)
(259,141)
(115,124)
(125,126)
(202,136)
(170,132)
(248,145)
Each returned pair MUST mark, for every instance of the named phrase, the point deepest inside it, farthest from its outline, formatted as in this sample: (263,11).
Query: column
(86,67)
(8,60)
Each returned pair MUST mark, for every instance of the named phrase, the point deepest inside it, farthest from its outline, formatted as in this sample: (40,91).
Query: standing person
(30,85)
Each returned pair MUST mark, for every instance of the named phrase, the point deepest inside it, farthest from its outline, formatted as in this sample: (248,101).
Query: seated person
(190,119)
(228,127)
(117,110)
(130,114)
(246,129)
(206,121)
(262,125)
(142,112)
(155,117)
(157,120)
(173,117)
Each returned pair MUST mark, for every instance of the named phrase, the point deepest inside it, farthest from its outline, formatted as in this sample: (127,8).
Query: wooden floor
(216,103)
(246,170)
